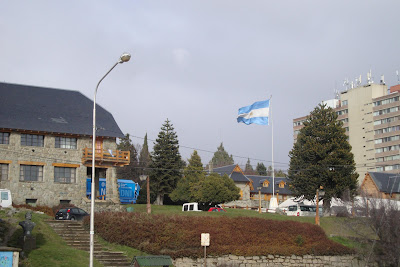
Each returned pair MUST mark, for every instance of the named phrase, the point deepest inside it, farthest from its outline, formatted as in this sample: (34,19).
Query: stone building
(46,147)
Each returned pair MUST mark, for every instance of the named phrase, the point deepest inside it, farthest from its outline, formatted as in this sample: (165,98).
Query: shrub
(179,236)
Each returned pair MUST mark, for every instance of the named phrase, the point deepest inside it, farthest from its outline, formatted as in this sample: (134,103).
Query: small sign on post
(205,242)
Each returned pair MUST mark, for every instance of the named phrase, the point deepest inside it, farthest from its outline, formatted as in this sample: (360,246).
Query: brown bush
(43,209)
(179,236)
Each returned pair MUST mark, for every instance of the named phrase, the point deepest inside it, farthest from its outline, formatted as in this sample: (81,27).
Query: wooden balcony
(106,157)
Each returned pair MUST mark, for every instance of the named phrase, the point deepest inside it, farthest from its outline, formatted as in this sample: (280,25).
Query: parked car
(72,213)
(215,209)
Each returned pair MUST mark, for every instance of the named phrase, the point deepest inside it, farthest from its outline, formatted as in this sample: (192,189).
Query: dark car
(215,209)
(72,213)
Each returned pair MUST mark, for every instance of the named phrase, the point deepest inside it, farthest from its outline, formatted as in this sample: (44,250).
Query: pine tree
(261,169)
(166,163)
(221,157)
(195,164)
(192,174)
(279,173)
(128,172)
(144,157)
(322,157)
(248,170)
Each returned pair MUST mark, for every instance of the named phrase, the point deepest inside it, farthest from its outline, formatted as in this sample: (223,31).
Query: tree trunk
(327,207)
(159,199)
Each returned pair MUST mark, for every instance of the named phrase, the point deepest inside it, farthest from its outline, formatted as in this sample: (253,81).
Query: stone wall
(272,260)
(48,192)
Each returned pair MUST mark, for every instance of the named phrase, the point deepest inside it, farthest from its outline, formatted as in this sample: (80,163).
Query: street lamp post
(259,199)
(147,179)
(125,57)
(318,193)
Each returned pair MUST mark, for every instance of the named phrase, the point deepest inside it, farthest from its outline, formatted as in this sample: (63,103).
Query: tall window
(32,140)
(3,172)
(4,138)
(31,173)
(64,175)
(65,142)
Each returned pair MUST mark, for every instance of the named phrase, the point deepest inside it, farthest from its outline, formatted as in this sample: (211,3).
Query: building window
(3,172)
(32,140)
(64,175)
(342,112)
(4,138)
(386,111)
(345,102)
(31,173)
(65,142)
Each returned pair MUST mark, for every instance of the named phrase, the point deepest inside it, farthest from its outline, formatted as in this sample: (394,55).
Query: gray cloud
(197,62)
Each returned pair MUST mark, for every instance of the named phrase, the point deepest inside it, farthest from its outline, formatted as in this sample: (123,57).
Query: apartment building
(46,147)
(370,115)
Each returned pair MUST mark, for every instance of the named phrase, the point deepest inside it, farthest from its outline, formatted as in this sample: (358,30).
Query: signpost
(205,242)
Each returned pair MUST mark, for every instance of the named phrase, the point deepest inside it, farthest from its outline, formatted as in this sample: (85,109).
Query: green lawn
(51,248)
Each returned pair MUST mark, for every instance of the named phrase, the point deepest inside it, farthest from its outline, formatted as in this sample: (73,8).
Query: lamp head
(125,57)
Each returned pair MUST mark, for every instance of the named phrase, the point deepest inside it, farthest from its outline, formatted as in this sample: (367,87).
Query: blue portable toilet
(128,190)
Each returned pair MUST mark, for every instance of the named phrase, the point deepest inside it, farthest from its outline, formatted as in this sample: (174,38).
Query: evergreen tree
(248,170)
(261,169)
(192,174)
(128,172)
(144,157)
(166,163)
(221,158)
(279,173)
(322,157)
(195,164)
(269,170)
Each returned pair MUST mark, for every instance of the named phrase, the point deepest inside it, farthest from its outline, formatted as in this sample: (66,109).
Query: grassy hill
(53,251)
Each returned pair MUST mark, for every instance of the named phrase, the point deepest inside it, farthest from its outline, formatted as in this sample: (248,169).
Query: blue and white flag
(257,113)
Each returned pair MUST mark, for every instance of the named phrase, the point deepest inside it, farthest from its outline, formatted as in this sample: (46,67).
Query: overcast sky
(197,62)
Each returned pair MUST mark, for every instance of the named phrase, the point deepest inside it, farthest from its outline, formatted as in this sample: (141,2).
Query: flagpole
(273,201)
(272,129)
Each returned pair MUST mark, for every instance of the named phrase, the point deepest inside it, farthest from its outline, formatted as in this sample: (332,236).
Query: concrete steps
(77,237)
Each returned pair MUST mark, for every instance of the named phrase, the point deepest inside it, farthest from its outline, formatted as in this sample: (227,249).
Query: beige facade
(357,111)
(46,189)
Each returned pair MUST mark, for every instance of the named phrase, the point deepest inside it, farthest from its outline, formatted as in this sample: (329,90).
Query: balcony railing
(107,157)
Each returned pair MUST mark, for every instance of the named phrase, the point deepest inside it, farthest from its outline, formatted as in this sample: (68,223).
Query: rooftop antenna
(397,73)
(369,77)
(383,79)
(336,92)
(346,83)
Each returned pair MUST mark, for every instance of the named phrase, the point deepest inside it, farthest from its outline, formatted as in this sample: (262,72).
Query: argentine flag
(257,113)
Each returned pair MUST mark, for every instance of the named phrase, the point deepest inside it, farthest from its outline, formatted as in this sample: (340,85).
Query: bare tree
(377,225)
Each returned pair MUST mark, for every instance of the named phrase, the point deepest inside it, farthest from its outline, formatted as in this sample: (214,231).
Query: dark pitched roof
(259,180)
(225,169)
(234,175)
(239,177)
(386,182)
(25,107)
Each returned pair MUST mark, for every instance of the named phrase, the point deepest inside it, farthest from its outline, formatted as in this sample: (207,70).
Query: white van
(303,210)
(191,207)
(5,198)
